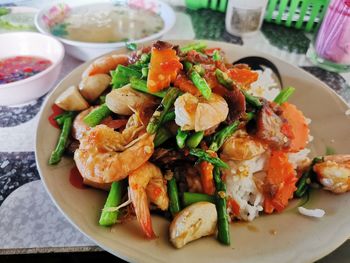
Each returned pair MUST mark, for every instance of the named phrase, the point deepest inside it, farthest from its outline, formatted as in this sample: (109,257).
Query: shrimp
(199,114)
(79,126)
(334,173)
(241,146)
(123,100)
(147,183)
(105,156)
(105,64)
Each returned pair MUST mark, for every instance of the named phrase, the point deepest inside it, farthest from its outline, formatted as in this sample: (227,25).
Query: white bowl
(30,44)
(87,50)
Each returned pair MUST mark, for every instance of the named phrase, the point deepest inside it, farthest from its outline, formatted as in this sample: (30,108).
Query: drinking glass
(244,17)
(331,47)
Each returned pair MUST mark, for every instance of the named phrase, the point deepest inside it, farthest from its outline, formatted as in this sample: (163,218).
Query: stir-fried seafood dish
(182,132)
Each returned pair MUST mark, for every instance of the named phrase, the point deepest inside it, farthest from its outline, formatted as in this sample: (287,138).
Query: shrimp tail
(146,185)
(140,203)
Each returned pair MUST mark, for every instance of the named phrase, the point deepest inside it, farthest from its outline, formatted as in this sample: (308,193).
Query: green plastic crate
(217,5)
(301,14)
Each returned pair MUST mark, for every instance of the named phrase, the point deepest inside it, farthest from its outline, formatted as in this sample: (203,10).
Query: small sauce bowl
(30,44)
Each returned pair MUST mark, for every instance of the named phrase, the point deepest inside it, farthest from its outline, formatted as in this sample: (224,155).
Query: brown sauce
(252,228)
(76,179)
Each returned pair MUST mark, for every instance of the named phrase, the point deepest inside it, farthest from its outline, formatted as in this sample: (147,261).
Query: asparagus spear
(144,72)
(188,66)
(221,136)
(97,115)
(137,67)
(162,109)
(56,155)
(170,116)
(191,198)
(142,62)
(254,101)
(201,154)
(227,82)
(174,205)
(141,85)
(303,184)
(145,58)
(224,79)
(127,71)
(121,76)
(161,136)
(193,46)
(216,55)
(201,84)
(284,95)
(223,226)
(102,99)
(181,137)
(114,198)
(61,117)
(199,69)
(194,140)
(250,116)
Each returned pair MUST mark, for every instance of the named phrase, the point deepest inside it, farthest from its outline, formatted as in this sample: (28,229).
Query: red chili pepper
(55,111)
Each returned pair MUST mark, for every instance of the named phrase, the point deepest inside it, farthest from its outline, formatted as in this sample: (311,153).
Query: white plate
(285,237)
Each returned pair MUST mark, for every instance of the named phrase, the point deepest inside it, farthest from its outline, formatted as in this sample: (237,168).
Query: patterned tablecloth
(29,221)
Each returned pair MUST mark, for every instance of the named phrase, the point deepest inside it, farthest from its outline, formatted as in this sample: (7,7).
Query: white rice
(265,86)
(242,189)
(318,213)
(241,186)
(296,159)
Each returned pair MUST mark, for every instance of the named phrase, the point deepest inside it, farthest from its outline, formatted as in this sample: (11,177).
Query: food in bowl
(21,67)
(102,23)
(38,52)
(181,128)
(89,30)
(17,18)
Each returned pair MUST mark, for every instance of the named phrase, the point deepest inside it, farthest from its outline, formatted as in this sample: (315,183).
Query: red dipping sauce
(21,67)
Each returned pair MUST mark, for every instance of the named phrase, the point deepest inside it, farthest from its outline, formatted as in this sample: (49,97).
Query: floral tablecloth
(29,221)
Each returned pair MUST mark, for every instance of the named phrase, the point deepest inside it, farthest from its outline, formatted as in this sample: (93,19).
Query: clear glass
(331,47)
(245,17)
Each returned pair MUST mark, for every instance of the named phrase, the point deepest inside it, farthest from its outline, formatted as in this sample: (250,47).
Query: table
(29,221)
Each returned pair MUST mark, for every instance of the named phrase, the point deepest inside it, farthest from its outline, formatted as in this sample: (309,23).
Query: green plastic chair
(301,14)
